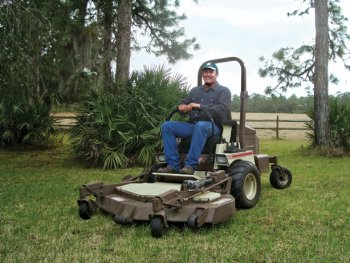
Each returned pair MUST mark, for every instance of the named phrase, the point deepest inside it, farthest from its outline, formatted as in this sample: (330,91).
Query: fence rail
(276,125)
(67,120)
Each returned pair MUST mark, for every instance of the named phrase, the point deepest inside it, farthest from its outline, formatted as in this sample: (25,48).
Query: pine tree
(307,66)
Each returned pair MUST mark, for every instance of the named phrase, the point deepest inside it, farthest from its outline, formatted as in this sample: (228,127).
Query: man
(211,97)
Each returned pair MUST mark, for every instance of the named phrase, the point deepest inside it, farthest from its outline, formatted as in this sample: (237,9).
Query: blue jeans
(199,131)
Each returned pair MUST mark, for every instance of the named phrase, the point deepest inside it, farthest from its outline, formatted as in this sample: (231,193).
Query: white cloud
(243,17)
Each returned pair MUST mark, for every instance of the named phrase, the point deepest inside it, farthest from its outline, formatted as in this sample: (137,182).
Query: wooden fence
(64,120)
(277,125)
(68,119)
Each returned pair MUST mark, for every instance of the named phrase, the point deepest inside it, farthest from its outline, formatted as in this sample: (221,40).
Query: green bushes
(27,78)
(119,127)
(25,122)
(339,117)
(340,122)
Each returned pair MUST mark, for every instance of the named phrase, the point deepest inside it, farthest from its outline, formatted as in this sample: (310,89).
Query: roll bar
(243,95)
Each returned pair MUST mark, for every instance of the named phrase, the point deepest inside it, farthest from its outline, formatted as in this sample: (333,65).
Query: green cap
(210,65)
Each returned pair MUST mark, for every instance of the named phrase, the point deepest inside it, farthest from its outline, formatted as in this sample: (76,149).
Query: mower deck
(136,202)
(163,202)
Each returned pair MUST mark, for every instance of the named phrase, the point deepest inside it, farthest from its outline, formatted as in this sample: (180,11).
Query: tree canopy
(295,67)
(70,46)
(61,50)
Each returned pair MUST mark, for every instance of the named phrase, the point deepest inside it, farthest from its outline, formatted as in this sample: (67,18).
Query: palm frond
(126,118)
(113,159)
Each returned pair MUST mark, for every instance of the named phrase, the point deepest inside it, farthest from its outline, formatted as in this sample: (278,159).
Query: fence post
(277,126)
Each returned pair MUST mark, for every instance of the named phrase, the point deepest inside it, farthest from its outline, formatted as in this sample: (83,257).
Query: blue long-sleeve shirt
(216,100)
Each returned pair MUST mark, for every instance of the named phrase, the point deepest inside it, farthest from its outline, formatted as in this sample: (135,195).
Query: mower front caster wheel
(157,227)
(280,177)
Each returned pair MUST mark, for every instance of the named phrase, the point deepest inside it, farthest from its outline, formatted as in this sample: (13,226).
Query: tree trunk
(107,41)
(322,129)
(123,39)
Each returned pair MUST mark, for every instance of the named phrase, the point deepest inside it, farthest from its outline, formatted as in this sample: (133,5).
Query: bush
(119,127)
(25,122)
(339,118)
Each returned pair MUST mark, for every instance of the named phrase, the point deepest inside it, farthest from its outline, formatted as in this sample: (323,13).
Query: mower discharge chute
(227,178)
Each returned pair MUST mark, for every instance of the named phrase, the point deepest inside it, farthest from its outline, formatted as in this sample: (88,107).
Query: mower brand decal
(235,155)
(221,201)
(118,199)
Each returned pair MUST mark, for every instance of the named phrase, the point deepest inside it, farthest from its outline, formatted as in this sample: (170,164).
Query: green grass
(309,222)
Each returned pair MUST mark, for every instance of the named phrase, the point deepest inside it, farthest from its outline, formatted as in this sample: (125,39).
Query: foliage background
(339,114)
(120,127)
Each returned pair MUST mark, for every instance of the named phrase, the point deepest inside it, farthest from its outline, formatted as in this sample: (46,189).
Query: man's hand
(195,105)
(189,107)
(183,108)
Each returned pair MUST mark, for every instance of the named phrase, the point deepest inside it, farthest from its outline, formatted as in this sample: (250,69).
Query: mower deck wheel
(193,221)
(157,227)
(84,210)
(119,219)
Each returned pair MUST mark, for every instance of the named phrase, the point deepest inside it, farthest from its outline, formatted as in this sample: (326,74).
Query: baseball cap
(210,65)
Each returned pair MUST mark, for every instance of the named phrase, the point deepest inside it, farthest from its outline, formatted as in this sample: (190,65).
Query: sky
(248,30)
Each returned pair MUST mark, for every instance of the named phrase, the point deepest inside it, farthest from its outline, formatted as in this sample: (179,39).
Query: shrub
(339,118)
(119,127)
(25,122)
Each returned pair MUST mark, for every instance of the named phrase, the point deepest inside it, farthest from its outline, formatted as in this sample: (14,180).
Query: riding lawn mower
(227,179)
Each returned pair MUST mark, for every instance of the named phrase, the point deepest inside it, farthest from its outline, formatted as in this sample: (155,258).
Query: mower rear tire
(157,227)
(246,184)
(280,177)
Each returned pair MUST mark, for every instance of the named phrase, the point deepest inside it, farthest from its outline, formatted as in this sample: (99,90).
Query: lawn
(308,222)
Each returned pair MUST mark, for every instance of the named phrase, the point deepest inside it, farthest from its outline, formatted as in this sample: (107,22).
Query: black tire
(193,221)
(280,180)
(84,210)
(157,227)
(122,220)
(246,184)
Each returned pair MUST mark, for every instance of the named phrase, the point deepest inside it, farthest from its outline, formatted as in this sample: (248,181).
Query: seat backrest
(229,131)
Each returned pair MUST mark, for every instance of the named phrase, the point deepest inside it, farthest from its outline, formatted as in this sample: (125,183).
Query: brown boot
(187,170)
